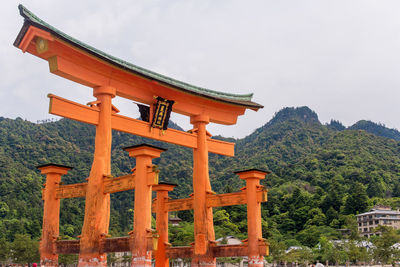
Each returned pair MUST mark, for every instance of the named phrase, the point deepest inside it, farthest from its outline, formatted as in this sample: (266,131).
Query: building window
(376,222)
(371,222)
(365,229)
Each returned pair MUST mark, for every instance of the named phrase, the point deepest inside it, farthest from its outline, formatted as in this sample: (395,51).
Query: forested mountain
(368,126)
(321,175)
(375,128)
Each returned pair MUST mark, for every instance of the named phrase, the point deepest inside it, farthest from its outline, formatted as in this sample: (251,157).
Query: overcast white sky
(340,58)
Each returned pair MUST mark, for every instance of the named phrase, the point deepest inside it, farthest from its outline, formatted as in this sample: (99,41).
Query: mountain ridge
(307,115)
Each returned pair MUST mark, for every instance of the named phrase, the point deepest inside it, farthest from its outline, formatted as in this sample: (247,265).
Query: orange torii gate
(110,77)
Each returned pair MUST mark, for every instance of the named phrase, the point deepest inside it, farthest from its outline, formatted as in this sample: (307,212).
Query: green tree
(384,251)
(67,259)
(325,251)
(305,255)
(353,251)
(302,255)
(357,201)
(311,235)
(4,250)
(285,223)
(329,252)
(300,216)
(331,215)
(24,250)
(364,255)
(4,209)
(316,217)
(181,235)
(376,187)
(334,197)
(277,251)
(223,224)
(350,222)
(396,189)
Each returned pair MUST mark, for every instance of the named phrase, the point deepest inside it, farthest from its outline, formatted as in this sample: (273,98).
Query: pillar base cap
(143,145)
(53,165)
(144,150)
(253,169)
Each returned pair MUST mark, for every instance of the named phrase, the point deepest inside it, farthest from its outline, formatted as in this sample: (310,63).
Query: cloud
(338,57)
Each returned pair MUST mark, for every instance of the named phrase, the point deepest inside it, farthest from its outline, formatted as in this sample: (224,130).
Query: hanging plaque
(162,113)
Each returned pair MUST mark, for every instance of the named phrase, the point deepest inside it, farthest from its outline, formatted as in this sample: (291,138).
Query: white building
(379,215)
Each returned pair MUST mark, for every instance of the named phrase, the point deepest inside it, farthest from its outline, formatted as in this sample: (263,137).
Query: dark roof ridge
(238,99)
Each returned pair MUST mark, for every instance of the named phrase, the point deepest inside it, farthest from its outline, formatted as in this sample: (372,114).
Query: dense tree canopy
(321,176)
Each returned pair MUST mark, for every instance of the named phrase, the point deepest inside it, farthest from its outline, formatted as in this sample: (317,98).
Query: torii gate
(110,77)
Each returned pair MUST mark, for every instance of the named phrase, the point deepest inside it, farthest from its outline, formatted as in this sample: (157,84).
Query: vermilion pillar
(97,205)
(203,217)
(253,177)
(141,236)
(51,213)
(162,190)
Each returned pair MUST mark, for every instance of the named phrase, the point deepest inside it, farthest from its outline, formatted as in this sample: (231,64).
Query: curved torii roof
(64,50)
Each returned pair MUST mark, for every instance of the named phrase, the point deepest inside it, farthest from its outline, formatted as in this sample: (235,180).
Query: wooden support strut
(111,185)
(162,190)
(213,201)
(142,235)
(216,251)
(72,110)
(256,247)
(51,213)
(121,244)
(253,177)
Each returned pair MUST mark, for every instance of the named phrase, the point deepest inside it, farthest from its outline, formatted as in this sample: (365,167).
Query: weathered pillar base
(203,260)
(141,261)
(140,258)
(51,261)
(93,260)
(255,261)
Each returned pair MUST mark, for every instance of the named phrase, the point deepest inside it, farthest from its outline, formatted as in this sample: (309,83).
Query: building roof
(377,211)
(236,99)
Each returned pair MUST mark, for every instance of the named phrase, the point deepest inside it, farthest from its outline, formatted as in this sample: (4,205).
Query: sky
(341,58)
